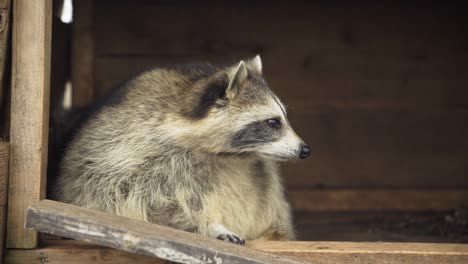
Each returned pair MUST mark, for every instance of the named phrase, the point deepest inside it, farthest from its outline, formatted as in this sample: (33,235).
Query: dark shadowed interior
(378,90)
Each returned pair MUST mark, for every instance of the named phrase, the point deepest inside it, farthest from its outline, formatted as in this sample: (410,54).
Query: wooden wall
(378,90)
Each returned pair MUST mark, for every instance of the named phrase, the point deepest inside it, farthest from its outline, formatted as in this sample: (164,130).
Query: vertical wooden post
(82,53)
(29,115)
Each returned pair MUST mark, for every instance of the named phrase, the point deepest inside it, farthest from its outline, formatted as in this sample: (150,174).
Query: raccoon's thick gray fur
(192,147)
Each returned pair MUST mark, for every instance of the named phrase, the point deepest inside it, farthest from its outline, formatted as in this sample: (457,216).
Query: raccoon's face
(247,118)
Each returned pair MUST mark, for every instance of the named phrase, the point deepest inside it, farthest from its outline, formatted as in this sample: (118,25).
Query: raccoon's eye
(274,123)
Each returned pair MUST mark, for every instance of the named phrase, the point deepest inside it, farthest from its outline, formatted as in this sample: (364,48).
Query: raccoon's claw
(231,238)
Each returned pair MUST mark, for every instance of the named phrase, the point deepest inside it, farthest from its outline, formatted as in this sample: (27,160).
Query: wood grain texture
(314,252)
(138,237)
(29,115)
(76,252)
(82,70)
(362,252)
(378,200)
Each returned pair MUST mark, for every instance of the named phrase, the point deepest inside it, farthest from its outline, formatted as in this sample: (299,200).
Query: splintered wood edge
(139,237)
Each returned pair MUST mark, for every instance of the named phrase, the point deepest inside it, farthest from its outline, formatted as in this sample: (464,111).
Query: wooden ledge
(129,236)
(140,237)
(74,252)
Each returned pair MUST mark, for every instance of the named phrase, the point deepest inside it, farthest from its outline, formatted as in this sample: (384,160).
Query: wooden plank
(138,237)
(76,252)
(4,150)
(314,252)
(82,53)
(378,200)
(362,252)
(29,115)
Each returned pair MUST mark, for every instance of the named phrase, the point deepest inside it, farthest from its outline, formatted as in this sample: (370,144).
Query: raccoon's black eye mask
(258,133)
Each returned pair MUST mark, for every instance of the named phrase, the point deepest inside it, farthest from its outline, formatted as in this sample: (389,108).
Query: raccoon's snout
(305,152)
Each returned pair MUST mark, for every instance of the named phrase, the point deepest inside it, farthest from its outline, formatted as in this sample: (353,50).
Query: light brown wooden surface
(377,90)
(29,115)
(82,53)
(313,252)
(4,150)
(137,236)
(76,252)
(378,200)
(362,252)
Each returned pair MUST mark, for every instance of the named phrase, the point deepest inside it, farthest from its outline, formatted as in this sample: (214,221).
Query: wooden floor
(74,252)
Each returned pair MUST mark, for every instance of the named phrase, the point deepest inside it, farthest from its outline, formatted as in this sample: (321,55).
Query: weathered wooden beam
(77,252)
(139,237)
(369,200)
(29,115)
(368,252)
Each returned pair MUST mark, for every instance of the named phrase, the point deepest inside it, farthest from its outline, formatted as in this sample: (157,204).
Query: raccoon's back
(116,136)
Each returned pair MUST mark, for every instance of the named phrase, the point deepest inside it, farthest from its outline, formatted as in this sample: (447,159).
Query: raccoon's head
(237,113)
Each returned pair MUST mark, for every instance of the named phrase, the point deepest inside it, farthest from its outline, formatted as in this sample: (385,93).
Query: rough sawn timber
(30,85)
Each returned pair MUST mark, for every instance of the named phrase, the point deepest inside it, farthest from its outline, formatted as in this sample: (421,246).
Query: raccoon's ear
(237,77)
(256,64)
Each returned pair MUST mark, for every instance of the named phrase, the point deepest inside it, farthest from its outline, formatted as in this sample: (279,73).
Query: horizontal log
(77,252)
(138,237)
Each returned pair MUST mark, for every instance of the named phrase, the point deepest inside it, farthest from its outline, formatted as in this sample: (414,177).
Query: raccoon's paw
(231,238)
(222,233)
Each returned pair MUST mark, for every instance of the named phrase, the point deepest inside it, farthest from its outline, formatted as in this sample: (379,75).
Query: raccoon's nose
(305,152)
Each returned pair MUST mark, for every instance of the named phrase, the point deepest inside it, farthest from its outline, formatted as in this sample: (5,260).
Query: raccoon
(193,147)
